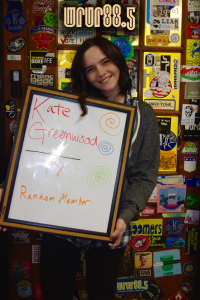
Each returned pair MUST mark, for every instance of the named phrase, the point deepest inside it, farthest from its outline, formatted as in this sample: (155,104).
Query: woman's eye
(106,61)
(90,70)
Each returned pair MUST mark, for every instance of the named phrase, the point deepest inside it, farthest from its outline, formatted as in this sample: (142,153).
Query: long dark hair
(80,83)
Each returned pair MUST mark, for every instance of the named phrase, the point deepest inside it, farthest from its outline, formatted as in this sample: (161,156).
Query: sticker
(140,242)
(190,147)
(147,227)
(194,31)
(153,197)
(42,41)
(175,38)
(165,63)
(167,141)
(20,236)
(148,93)
(127,268)
(16,44)
(36,254)
(194,101)
(167,263)
(189,268)
(160,23)
(24,288)
(178,295)
(187,285)
(175,75)
(36,59)
(164,125)
(166,2)
(20,268)
(193,5)
(190,73)
(149,60)
(13,126)
(192,200)
(49,61)
(157,40)
(194,17)
(171,179)
(124,46)
(192,217)
(43,5)
(50,19)
(155,294)
(191,132)
(10,109)
(175,242)
(143,260)
(193,182)
(42,79)
(174,227)
(144,273)
(75,35)
(171,197)
(16,4)
(157,241)
(191,247)
(160,104)
(38,291)
(161,86)
(15,22)
(43,28)
(174,215)
(39,20)
(167,161)
(192,90)
(13,57)
(38,236)
(148,211)
(192,52)
(190,164)
(132,285)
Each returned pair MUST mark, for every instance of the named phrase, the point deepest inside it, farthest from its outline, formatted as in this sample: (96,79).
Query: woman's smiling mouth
(105,80)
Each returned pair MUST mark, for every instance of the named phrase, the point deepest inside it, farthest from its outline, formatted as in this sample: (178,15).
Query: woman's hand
(119,231)
(1,193)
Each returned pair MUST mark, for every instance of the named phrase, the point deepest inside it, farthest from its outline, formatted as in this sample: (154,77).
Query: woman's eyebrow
(93,65)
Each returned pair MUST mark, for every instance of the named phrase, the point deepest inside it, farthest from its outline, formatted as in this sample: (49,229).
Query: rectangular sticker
(132,285)
(20,269)
(192,200)
(161,104)
(175,242)
(173,215)
(36,254)
(147,227)
(191,247)
(13,57)
(20,236)
(42,79)
(157,241)
(144,273)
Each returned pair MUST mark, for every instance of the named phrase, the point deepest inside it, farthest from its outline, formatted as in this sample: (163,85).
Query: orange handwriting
(35,196)
(53,162)
(73,201)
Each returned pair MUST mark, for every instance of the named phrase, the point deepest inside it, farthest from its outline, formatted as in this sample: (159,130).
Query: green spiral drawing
(99,177)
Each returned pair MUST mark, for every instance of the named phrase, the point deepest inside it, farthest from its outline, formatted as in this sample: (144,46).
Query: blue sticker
(174,227)
(124,46)
(133,285)
(43,28)
(149,11)
(14,125)
(189,268)
(15,22)
(14,5)
(168,141)
(24,288)
(175,242)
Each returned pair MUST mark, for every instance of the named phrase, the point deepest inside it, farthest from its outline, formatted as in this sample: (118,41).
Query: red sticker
(43,41)
(178,296)
(140,242)
(194,31)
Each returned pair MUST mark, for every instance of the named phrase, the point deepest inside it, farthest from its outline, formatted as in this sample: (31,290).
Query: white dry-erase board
(66,171)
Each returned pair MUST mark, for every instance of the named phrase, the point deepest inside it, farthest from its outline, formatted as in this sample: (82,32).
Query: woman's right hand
(1,193)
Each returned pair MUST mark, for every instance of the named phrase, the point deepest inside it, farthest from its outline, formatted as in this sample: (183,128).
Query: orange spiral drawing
(112,122)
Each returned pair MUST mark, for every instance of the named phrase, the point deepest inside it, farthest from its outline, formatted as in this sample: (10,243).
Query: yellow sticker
(147,227)
(157,40)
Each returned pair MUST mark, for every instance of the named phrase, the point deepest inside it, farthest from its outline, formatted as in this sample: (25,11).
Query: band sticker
(10,109)
(15,22)
(167,141)
(42,79)
(171,198)
(157,241)
(49,61)
(178,295)
(164,125)
(16,44)
(187,285)
(36,254)
(149,59)
(194,31)
(42,41)
(175,242)
(143,260)
(156,292)
(191,132)
(16,4)
(132,285)
(24,288)
(191,247)
(43,28)
(147,227)
(189,268)
(192,52)
(190,164)
(161,104)
(167,263)
(36,59)
(43,5)
(148,212)
(165,24)
(176,74)
(174,227)
(39,20)
(192,217)
(194,17)
(20,268)
(190,73)
(144,273)
(140,242)
(50,19)
(20,236)
(192,200)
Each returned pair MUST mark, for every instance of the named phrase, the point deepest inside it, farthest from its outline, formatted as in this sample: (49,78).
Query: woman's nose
(100,71)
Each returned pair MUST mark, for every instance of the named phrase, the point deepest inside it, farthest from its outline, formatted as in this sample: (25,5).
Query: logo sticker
(42,79)
(132,285)
(190,147)
(140,242)
(20,268)
(10,109)
(194,31)
(39,20)
(174,228)
(16,44)
(178,295)
(187,285)
(43,28)
(161,86)
(13,126)
(24,288)
(43,41)
(50,19)
(15,22)
(36,59)
(189,268)
(167,141)
(42,5)
(144,273)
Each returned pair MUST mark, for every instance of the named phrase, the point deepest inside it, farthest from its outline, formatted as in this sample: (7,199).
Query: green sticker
(50,19)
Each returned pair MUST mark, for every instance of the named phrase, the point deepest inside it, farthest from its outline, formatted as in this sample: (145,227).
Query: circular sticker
(15,21)
(175,38)
(194,31)
(189,268)
(148,94)
(161,85)
(13,126)
(168,141)
(10,109)
(140,242)
(194,17)
(50,19)
(174,227)
(16,44)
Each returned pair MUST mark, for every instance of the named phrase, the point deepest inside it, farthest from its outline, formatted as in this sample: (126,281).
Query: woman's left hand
(119,231)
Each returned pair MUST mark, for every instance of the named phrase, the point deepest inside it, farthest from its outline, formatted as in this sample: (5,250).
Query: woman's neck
(115,97)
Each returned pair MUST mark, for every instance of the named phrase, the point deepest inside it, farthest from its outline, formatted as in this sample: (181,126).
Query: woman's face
(101,72)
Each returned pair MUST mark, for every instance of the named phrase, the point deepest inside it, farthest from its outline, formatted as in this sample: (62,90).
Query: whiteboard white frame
(16,152)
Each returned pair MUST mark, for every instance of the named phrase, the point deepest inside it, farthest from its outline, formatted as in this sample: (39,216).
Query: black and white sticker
(16,44)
